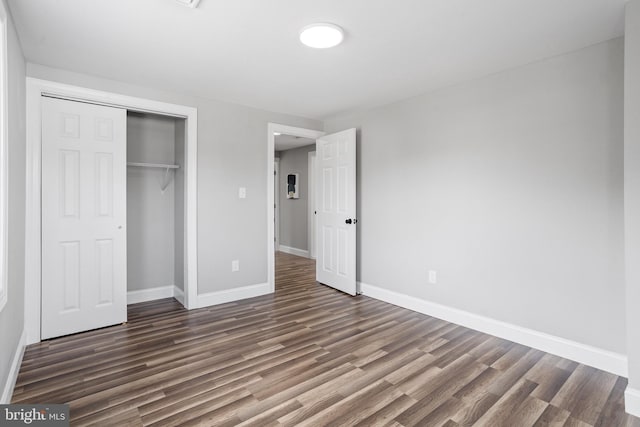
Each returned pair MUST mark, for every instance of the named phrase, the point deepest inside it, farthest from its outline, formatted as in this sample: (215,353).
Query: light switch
(242,192)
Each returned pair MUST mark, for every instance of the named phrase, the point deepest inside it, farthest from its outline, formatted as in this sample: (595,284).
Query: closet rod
(153,165)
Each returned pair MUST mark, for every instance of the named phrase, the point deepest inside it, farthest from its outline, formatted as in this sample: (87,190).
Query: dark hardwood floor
(309,355)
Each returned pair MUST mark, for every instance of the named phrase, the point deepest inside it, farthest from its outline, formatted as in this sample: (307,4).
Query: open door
(84,213)
(336,211)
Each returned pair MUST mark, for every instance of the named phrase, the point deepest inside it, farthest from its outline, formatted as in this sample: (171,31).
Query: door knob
(348,221)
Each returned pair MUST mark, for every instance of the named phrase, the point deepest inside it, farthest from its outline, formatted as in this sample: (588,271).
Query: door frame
(36,88)
(276,203)
(311,190)
(271,140)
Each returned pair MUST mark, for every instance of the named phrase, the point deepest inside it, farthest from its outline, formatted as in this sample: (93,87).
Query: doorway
(335,196)
(294,194)
(292,134)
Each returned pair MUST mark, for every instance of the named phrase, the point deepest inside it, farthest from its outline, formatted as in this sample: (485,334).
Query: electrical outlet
(235,265)
(242,192)
(432,277)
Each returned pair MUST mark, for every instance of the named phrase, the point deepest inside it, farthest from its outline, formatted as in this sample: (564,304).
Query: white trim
(276,202)
(190,283)
(230,295)
(294,251)
(598,358)
(311,203)
(151,294)
(35,89)
(4,155)
(288,130)
(632,401)
(178,294)
(7,391)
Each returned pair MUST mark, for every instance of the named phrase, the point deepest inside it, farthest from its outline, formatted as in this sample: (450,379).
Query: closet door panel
(104,271)
(83,217)
(70,183)
(104,184)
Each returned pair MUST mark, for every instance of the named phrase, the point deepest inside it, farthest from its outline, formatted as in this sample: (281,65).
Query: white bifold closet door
(84,245)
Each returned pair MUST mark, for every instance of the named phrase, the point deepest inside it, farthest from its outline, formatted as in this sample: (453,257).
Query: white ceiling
(247,51)
(288,142)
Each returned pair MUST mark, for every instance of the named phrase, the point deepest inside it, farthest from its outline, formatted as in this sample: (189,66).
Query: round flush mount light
(321,35)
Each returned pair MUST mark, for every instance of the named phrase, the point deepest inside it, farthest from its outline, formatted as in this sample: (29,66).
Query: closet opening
(155,207)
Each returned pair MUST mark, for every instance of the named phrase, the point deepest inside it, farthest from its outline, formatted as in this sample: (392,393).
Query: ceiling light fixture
(189,3)
(321,35)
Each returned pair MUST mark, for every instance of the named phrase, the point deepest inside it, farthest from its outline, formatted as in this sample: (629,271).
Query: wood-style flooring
(310,356)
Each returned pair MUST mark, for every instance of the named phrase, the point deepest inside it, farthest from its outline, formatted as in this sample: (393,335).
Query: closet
(155,206)
(113,203)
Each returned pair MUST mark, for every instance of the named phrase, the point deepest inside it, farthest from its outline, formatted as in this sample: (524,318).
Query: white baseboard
(7,391)
(294,251)
(178,294)
(596,357)
(144,295)
(229,295)
(632,401)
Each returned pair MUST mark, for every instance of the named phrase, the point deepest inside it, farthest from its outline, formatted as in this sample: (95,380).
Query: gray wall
(179,193)
(511,188)
(632,186)
(232,153)
(293,212)
(12,316)
(150,213)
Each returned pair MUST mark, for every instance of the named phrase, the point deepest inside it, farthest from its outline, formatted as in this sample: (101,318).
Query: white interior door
(84,252)
(336,207)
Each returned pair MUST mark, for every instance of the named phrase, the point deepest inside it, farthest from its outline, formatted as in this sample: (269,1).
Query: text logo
(34,415)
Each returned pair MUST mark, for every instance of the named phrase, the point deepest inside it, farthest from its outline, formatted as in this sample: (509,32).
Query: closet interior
(155,205)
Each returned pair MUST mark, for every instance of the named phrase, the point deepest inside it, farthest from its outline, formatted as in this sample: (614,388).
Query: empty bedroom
(310,213)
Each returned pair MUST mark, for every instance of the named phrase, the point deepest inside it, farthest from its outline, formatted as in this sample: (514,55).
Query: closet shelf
(167,179)
(153,165)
